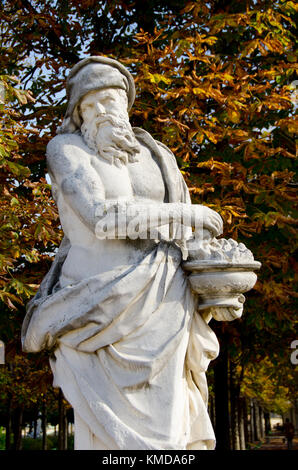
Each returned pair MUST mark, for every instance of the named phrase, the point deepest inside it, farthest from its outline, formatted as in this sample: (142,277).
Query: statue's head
(100,94)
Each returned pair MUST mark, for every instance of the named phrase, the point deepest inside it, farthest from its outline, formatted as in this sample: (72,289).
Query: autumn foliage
(215,84)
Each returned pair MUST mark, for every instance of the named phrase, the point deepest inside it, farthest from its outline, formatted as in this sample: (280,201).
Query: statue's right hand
(111,207)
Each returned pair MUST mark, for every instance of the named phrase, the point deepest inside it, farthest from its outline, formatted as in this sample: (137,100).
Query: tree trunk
(252,422)
(65,431)
(35,429)
(261,422)
(257,422)
(44,426)
(62,429)
(35,424)
(30,428)
(241,424)
(245,420)
(267,423)
(61,422)
(212,411)
(234,399)
(17,428)
(221,401)
(8,426)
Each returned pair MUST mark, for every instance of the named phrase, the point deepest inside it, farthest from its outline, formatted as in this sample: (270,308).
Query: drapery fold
(130,350)
(142,375)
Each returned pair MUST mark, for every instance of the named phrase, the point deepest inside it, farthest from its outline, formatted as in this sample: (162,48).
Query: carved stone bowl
(221,284)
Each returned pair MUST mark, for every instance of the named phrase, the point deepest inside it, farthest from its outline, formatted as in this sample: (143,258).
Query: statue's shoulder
(147,138)
(65,152)
(59,144)
(166,150)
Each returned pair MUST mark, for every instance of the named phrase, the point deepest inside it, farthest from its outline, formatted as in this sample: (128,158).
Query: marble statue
(125,306)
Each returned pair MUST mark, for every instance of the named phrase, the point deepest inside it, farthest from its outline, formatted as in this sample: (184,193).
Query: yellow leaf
(234,116)
(198,91)
(14,202)
(20,96)
(211,136)
(157,77)
(199,137)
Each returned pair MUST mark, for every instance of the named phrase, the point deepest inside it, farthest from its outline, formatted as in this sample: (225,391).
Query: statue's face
(106,128)
(109,101)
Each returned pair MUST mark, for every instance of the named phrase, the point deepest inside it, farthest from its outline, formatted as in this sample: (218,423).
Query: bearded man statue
(129,348)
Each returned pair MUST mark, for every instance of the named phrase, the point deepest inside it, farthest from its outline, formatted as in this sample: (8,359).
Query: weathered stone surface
(130,345)
(221,272)
(2,353)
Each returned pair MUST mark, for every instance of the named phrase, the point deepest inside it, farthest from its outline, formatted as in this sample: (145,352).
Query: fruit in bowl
(220,272)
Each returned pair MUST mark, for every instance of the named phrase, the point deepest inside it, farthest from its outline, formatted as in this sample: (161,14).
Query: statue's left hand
(207,219)
(228,313)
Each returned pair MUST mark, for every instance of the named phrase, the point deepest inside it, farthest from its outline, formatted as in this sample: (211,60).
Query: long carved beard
(112,138)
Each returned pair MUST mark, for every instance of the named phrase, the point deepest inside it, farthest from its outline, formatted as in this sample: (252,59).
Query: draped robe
(130,351)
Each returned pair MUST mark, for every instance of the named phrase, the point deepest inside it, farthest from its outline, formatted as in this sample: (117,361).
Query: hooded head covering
(92,74)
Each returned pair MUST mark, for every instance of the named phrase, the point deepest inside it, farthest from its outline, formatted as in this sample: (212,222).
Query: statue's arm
(75,178)
(80,185)
(202,216)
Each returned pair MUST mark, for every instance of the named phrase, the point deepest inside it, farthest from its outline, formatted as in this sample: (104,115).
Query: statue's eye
(108,98)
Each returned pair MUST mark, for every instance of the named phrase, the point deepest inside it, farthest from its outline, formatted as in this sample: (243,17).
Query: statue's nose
(100,108)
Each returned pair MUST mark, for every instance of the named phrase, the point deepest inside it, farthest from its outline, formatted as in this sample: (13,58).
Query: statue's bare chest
(142,179)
